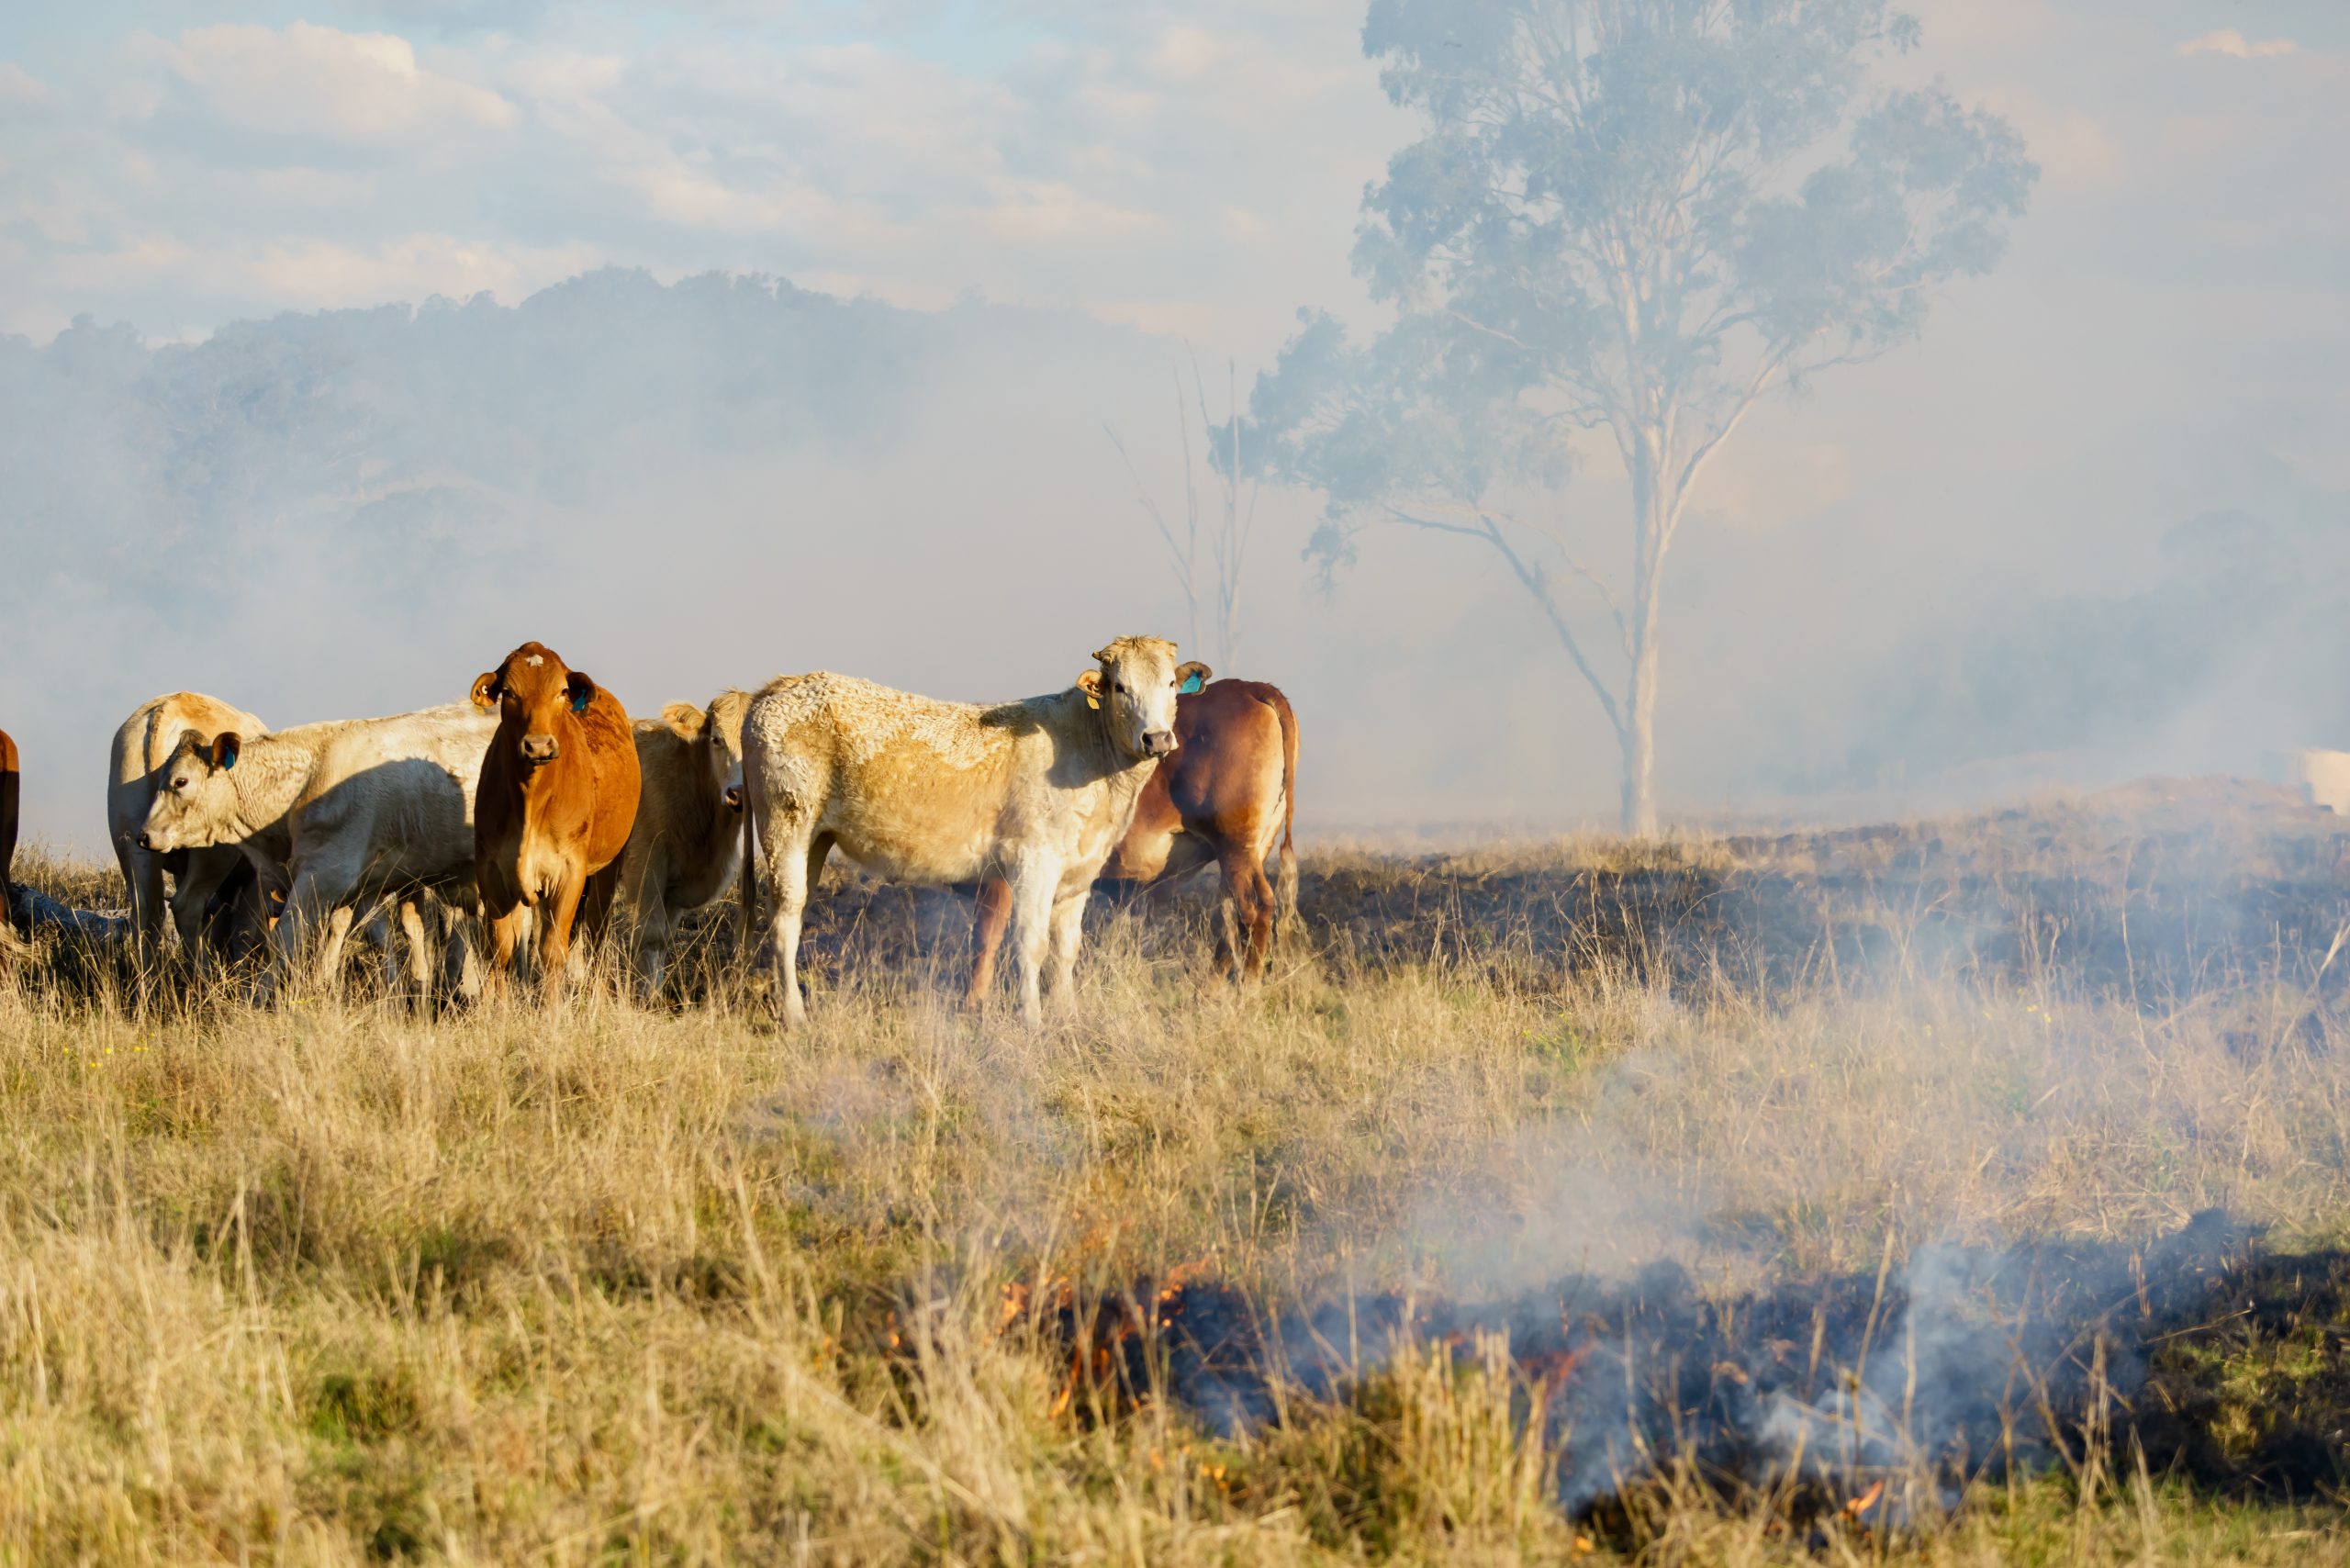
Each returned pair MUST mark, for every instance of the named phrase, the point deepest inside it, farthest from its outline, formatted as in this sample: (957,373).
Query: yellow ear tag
(1094,703)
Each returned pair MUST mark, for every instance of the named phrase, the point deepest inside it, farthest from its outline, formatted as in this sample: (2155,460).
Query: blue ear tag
(579,700)
(1191,684)
(231,760)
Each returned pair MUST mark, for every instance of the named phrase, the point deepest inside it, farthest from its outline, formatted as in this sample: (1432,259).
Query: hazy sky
(2168,336)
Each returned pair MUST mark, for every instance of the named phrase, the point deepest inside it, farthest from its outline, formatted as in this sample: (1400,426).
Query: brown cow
(10,781)
(556,800)
(1227,794)
(682,852)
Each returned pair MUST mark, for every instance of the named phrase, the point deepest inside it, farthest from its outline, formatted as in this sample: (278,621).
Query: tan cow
(554,808)
(681,853)
(134,772)
(354,812)
(916,791)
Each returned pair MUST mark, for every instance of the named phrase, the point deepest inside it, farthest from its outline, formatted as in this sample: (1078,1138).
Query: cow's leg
(320,901)
(792,867)
(1250,898)
(1067,929)
(596,910)
(416,990)
(1033,885)
(649,933)
(461,966)
(555,920)
(339,923)
(988,919)
(505,936)
(142,879)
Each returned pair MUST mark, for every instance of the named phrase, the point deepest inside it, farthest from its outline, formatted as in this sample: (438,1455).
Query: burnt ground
(2154,893)
(2222,1363)
(2158,891)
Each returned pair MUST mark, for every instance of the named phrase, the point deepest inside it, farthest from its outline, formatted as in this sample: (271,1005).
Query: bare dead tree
(1206,563)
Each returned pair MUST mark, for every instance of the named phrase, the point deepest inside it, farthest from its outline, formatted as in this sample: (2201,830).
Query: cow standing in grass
(343,815)
(682,851)
(218,879)
(1037,792)
(1225,797)
(557,800)
(11,795)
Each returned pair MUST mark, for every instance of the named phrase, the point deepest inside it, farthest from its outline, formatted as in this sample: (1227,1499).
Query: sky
(2164,339)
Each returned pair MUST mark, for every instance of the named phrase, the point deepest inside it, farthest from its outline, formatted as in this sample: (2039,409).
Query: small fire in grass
(1869,1397)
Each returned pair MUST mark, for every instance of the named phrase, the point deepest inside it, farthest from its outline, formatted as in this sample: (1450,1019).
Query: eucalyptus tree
(1626,222)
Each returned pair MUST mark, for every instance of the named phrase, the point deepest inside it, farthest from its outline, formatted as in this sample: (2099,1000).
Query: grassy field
(611,1283)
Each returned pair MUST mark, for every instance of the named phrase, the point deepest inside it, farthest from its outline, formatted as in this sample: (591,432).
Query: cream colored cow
(353,811)
(134,771)
(1037,793)
(681,853)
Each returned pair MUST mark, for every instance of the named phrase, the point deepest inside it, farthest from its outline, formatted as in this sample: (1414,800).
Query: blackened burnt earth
(2155,893)
(2225,1364)
(2164,890)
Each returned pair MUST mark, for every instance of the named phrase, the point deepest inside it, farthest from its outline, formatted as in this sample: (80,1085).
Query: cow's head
(716,735)
(1135,689)
(195,801)
(534,693)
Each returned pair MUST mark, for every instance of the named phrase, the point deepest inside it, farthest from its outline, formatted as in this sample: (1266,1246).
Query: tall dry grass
(334,1282)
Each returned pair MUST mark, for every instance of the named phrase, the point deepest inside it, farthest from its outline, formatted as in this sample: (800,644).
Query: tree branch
(1535,583)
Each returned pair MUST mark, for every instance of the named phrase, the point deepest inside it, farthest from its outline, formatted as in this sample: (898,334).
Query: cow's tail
(751,795)
(1286,906)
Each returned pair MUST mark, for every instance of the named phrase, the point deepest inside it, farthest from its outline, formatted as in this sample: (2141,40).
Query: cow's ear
(582,689)
(684,718)
(1091,684)
(226,745)
(1190,678)
(486,691)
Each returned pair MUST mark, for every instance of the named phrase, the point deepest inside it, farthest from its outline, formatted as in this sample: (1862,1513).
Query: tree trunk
(1651,510)
(1639,750)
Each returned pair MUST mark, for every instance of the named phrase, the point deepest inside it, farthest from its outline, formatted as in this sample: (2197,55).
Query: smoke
(697,484)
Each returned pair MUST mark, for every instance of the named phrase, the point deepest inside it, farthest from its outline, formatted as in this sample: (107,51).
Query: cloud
(20,90)
(315,273)
(309,81)
(2076,151)
(2234,45)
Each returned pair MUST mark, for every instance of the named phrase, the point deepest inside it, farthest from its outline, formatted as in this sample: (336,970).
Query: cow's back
(143,743)
(683,843)
(1228,779)
(396,794)
(915,789)
(619,785)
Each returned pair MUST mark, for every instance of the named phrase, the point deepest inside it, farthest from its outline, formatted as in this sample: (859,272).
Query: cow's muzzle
(1158,742)
(540,748)
(734,797)
(146,842)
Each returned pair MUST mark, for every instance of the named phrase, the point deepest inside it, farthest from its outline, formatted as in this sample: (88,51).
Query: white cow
(1037,793)
(134,771)
(2325,779)
(354,812)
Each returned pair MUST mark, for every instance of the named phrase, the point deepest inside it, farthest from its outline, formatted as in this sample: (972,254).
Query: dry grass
(606,1283)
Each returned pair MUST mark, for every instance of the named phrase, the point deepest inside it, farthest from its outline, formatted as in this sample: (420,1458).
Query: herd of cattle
(536,808)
